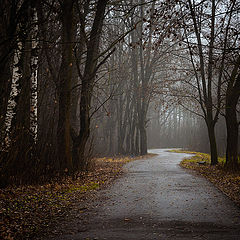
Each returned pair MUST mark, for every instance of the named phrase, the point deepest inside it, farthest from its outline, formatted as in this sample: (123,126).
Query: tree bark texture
(212,141)
(20,162)
(65,77)
(8,28)
(232,97)
(232,124)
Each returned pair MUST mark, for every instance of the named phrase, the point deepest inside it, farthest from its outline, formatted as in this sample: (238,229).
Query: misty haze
(119,119)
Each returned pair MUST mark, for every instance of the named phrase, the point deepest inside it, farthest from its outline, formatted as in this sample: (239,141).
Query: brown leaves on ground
(227,182)
(30,211)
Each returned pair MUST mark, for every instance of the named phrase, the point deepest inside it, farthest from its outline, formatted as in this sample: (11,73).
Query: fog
(108,78)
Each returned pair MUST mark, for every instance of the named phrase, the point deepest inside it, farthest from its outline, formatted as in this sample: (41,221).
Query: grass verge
(227,182)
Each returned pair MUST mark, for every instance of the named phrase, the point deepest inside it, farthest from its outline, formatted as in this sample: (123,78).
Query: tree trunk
(133,132)
(212,141)
(232,139)
(137,152)
(204,84)
(79,143)
(7,47)
(21,137)
(232,97)
(20,162)
(120,126)
(65,76)
(5,89)
(143,140)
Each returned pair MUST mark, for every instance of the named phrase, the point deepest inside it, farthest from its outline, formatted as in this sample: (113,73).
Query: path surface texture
(157,199)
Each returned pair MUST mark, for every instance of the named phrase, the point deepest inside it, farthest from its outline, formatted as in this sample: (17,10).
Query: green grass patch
(84,188)
(182,151)
(196,158)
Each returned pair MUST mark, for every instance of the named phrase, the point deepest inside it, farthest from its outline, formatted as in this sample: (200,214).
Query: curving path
(157,199)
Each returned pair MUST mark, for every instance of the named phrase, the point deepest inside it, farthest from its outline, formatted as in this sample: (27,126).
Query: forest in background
(80,78)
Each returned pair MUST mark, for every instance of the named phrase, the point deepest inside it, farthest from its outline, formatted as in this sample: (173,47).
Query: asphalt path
(157,199)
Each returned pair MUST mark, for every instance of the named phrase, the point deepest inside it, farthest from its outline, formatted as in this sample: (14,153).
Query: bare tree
(90,69)
(64,87)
